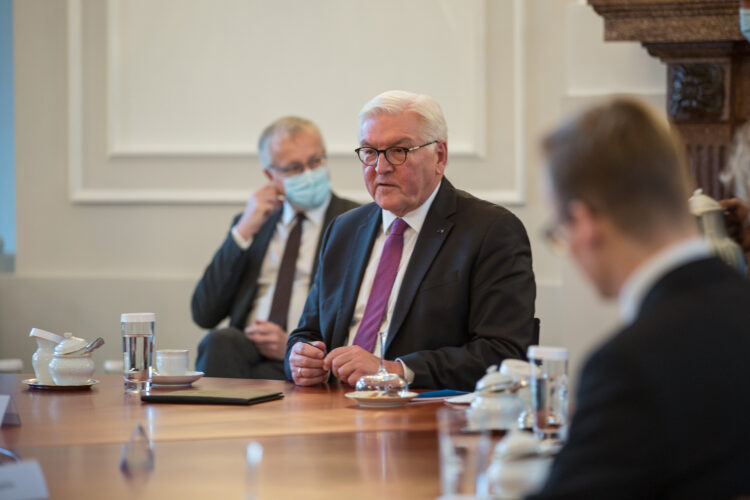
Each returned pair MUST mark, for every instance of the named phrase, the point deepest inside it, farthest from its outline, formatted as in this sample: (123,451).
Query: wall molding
(81,193)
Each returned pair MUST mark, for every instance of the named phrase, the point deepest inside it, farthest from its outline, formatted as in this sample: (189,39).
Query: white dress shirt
(415,220)
(311,228)
(646,275)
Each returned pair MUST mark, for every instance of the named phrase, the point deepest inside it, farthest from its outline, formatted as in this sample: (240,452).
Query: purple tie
(377,302)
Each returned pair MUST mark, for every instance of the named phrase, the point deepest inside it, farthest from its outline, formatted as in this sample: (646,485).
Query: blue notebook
(442,394)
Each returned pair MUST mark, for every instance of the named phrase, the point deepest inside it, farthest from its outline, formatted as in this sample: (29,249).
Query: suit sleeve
(611,443)
(499,311)
(217,289)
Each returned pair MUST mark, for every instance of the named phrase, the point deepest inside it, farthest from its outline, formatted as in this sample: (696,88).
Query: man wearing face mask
(260,275)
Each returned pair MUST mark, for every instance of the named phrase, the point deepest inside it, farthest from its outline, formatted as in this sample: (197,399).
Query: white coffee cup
(172,361)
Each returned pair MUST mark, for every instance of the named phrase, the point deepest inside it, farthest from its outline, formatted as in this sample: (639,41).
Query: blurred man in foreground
(447,276)
(661,408)
(261,274)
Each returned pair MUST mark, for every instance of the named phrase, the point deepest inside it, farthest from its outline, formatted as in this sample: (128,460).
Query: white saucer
(186,379)
(367,400)
(35,384)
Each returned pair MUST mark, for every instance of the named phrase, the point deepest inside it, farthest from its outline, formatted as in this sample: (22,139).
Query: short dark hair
(622,160)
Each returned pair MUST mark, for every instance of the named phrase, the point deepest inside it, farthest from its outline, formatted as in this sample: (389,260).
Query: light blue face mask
(309,189)
(745,22)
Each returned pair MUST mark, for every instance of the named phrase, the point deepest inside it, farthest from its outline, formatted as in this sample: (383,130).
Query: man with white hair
(261,274)
(445,275)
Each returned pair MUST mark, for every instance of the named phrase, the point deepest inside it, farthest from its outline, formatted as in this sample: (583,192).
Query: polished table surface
(316,443)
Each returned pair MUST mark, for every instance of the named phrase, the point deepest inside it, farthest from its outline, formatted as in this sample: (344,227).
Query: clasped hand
(269,338)
(311,365)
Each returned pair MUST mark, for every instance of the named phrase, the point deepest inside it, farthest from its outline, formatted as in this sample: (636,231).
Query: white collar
(415,218)
(646,275)
(314,215)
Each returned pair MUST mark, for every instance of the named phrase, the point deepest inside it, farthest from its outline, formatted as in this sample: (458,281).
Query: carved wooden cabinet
(708,71)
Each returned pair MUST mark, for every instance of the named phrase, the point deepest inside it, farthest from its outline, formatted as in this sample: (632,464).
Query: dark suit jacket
(466,300)
(230,282)
(663,406)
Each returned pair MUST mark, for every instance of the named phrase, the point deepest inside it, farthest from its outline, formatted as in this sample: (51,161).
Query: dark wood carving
(696,91)
(708,71)
(672,21)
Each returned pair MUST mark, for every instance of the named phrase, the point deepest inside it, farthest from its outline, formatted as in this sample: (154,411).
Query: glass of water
(137,350)
(549,391)
(465,447)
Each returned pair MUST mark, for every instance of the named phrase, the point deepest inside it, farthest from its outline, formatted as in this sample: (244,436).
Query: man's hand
(349,363)
(735,217)
(269,338)
(306,363)
(259,206)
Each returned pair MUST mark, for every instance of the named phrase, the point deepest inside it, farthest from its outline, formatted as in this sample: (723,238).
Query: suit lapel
(355,270)
(434,231)
(331,212)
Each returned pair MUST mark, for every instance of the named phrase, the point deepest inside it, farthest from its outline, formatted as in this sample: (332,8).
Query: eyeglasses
(396,155)
(297,167)
(557,235)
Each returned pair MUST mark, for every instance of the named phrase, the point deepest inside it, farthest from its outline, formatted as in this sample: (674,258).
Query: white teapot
(72,363)
(496,405)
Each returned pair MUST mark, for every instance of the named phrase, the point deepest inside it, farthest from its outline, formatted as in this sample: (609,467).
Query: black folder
(213,397)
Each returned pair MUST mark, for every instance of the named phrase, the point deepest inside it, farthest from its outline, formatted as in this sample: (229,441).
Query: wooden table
(316,443)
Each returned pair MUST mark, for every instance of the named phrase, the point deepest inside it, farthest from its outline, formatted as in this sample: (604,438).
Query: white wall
(136,125)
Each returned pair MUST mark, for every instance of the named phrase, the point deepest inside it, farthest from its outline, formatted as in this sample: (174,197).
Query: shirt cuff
(408,374)
(241,242)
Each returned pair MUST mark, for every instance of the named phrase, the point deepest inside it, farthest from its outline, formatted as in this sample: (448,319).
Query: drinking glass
(465,447)
(549,391)
(137,350)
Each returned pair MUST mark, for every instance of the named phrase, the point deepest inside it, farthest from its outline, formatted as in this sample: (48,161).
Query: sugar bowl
(72,363)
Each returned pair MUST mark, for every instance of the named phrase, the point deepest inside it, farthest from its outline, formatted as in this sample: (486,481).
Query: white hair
(737,171)
(394,102)
(287,127)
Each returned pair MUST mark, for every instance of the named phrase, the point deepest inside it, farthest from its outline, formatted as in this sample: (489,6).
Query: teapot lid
(518,368)
(494,381)
(701,203)
(42,334)
(70,344)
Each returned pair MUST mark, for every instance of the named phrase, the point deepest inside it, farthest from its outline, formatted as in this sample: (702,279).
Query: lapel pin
(441,230)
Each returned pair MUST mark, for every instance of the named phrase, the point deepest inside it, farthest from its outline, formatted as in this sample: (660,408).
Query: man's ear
(441,149)
(268,174)
(588,222)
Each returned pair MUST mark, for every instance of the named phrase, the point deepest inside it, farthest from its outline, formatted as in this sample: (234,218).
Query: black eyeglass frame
(556,236)
(386,153)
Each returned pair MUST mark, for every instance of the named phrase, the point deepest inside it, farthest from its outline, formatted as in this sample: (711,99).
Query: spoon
(94,344)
